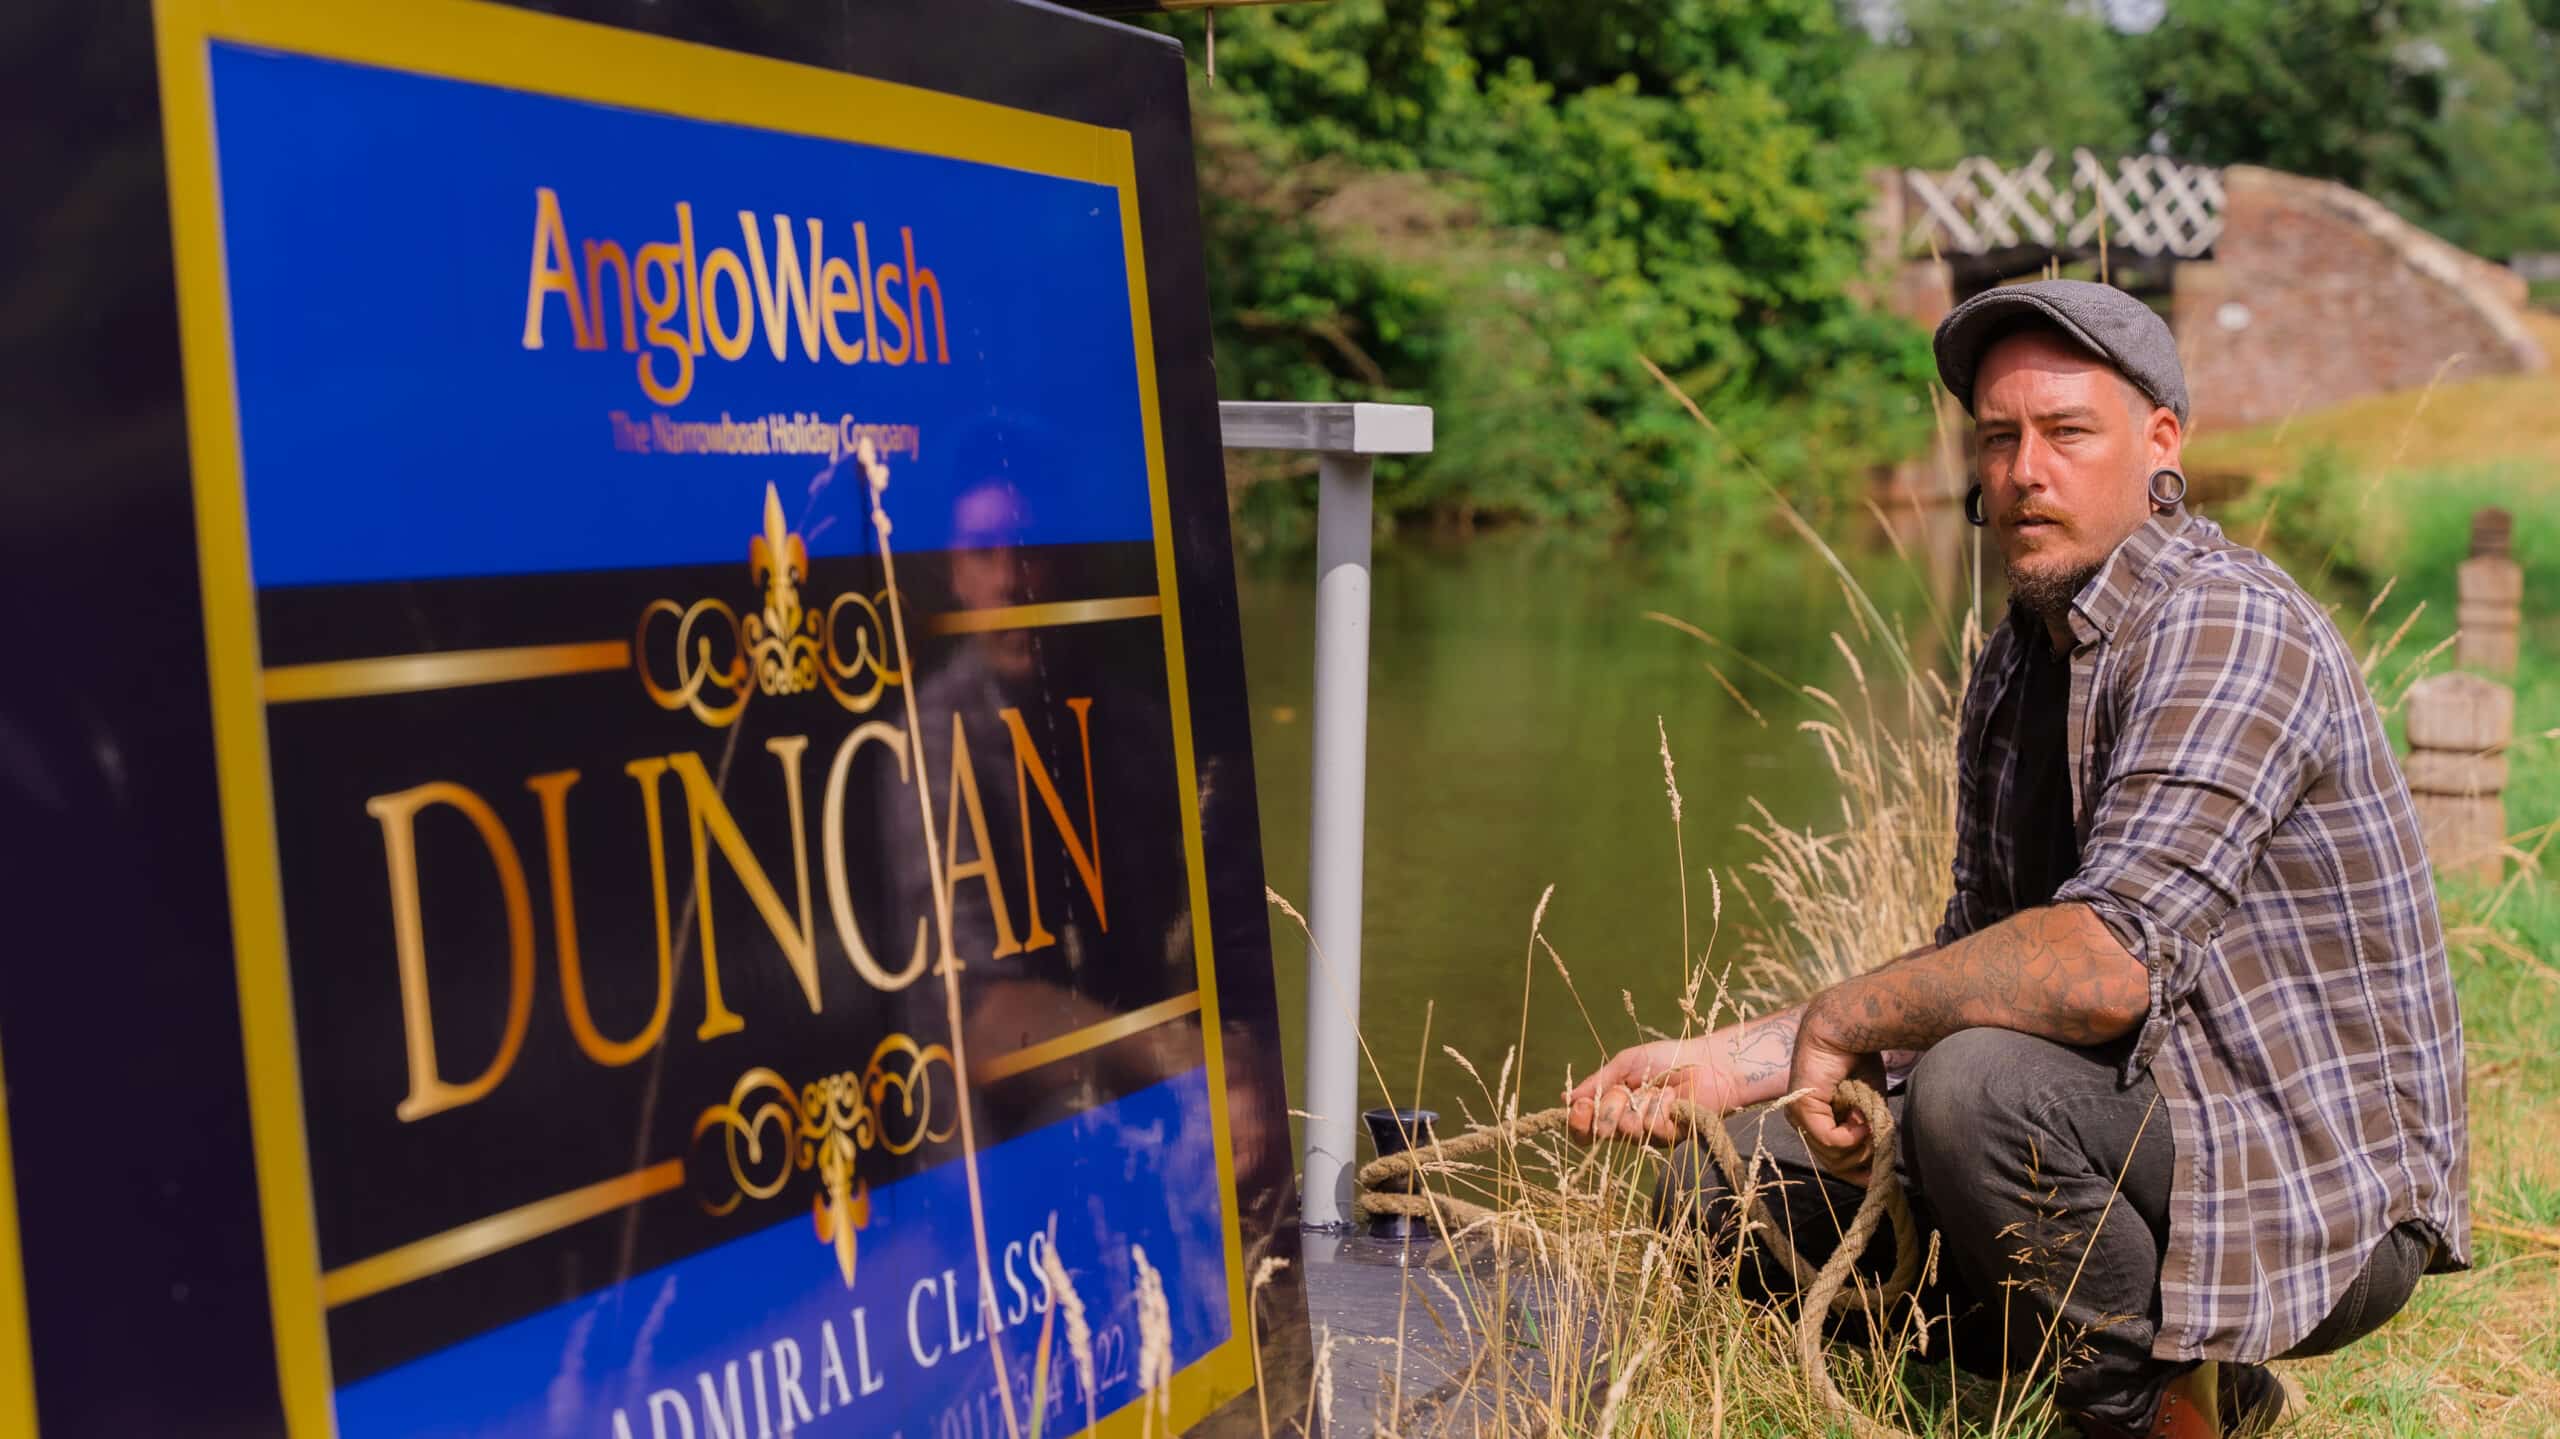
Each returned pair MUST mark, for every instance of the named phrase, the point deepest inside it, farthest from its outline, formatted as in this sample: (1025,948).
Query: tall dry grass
(1843,899)
(1568,1311)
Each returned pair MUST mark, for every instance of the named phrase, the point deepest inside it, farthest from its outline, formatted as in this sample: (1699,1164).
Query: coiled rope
(1823,1291)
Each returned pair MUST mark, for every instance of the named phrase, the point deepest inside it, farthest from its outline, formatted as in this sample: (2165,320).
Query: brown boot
(2192,1408)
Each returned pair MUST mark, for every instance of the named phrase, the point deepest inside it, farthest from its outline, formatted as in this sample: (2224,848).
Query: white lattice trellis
(2149,204)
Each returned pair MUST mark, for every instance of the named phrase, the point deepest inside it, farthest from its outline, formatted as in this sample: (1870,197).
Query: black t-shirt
(2049,846)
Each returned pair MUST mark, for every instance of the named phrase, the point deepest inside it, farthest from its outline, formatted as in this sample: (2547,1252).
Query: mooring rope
(1823,1291)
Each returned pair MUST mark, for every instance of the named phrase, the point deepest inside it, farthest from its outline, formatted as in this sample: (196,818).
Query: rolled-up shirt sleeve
(2220,721)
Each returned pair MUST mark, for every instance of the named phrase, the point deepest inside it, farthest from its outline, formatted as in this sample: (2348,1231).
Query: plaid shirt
(2245,833)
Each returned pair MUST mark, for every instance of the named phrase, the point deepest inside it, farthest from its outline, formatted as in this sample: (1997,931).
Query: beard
(2047,592)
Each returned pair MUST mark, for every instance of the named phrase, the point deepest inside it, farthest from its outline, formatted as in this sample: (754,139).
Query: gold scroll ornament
(770,1131)
(786,649)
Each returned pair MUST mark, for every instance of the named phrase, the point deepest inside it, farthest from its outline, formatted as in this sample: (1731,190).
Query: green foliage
(2342,89)
(1678,181)
(2448,110)
(2499,189)
(2312,520)
(2338,520)
(2002,78)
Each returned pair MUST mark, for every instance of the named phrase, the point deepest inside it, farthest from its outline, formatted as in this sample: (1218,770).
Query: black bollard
(1393,1131)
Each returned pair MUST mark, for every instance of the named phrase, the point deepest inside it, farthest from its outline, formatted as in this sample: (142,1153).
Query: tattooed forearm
(1761,1050)
(2055,972)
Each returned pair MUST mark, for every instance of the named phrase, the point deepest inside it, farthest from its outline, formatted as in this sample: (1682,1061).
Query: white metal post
(1335,816)
(1345,438)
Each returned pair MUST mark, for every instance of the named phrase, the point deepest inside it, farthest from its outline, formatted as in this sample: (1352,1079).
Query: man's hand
(1631,1096)
(1837,1135)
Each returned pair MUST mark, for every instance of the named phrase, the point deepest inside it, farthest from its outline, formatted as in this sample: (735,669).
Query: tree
(2447,112)
(2002,78)
(1679,179)
(2347,90)
(2499,189)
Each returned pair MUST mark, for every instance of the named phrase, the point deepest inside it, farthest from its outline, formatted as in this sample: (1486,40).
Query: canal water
(1515,683)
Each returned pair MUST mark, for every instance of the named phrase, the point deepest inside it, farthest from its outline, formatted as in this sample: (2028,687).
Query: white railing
(2150,205)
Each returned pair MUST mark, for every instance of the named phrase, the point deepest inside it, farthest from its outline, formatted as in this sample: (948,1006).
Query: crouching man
(2188,1093)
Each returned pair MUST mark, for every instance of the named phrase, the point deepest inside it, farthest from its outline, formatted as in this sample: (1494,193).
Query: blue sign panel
(653,315)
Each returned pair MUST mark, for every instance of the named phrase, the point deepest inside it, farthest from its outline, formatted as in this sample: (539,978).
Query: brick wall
(2318,294)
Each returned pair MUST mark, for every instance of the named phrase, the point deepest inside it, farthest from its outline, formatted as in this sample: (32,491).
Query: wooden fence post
(2459,728)
(2491,587)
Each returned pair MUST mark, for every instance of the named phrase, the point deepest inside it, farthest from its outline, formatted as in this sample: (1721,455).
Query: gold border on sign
(481,1237)
(462,669)
(1241,1366)
(567,59)
(442,669)
(268,1047)
(1092,1036)
(1048,616)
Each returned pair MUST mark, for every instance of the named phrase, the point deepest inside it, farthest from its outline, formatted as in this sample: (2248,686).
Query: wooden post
(2459,728)
(2491,586)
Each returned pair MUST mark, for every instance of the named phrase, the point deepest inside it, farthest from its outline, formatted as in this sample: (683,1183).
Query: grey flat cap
(2112,324)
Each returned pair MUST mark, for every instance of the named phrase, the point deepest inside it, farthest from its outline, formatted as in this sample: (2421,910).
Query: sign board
(715,771)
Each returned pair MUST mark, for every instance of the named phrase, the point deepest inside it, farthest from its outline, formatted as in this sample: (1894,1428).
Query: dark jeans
(2011,1147)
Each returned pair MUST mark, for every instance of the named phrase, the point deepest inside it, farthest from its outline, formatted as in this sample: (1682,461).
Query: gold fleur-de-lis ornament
(779,558)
